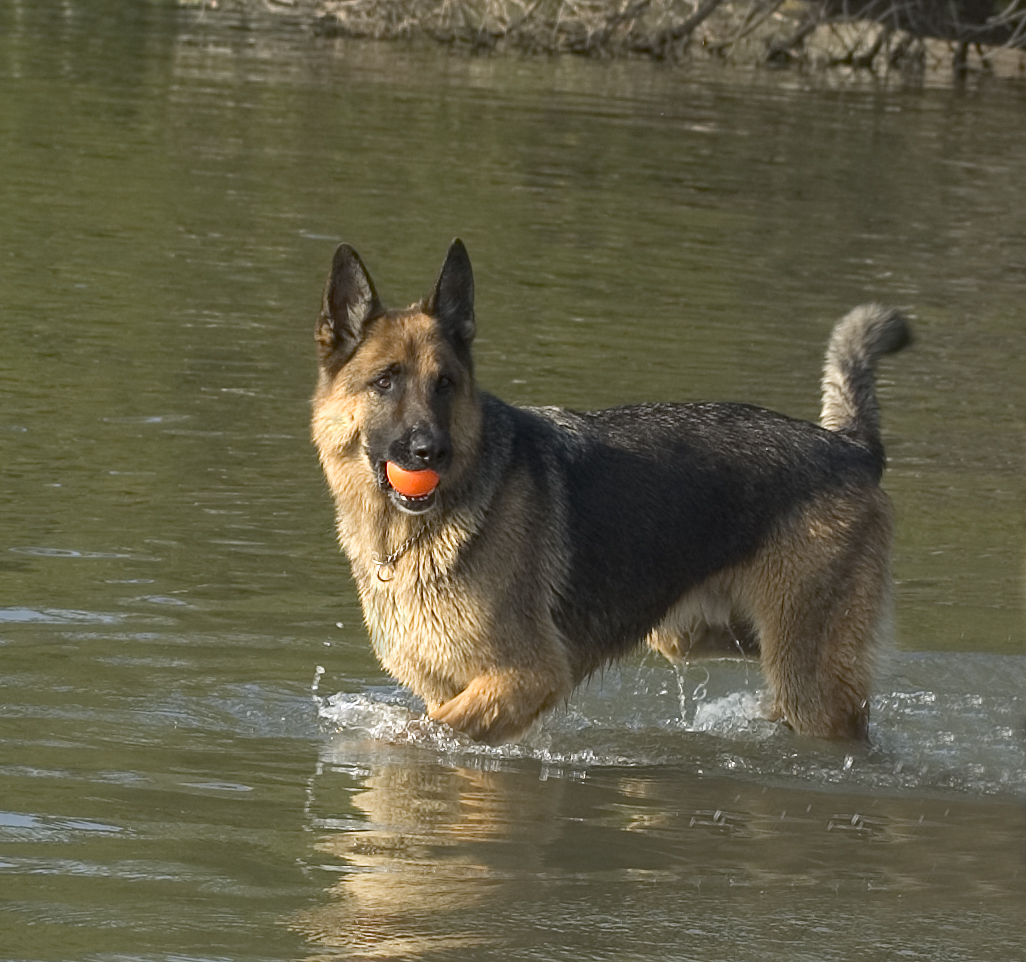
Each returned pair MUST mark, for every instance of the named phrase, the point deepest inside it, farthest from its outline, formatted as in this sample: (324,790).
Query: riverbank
(793,34)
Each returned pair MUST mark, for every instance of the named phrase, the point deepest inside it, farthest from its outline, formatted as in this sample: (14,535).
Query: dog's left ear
(452,300)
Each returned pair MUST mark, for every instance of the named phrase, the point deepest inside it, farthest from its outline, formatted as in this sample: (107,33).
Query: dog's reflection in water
(441,849)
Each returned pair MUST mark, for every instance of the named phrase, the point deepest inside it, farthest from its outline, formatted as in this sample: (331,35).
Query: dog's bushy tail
(858,341)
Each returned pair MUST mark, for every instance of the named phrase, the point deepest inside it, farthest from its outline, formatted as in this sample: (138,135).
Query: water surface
(199,757)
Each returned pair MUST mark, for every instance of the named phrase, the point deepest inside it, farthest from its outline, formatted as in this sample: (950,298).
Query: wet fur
(558,541)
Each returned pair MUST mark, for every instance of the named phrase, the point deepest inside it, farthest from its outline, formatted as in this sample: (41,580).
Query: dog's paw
(840,725)
(490,710)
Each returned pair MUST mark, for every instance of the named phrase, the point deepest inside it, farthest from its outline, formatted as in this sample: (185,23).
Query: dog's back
(659,498)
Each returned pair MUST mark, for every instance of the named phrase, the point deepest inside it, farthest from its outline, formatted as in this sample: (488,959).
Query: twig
(749,25)
(665,39)
(780,50)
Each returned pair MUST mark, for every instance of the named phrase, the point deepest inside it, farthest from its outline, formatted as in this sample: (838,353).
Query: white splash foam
(731,715)
(940,723)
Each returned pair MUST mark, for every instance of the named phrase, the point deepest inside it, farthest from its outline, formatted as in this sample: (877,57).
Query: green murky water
(171,787)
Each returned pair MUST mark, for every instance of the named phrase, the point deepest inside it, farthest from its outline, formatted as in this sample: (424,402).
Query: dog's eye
(384,382)
(445,383)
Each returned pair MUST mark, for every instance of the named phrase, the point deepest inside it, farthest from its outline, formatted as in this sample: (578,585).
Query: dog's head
(396,387)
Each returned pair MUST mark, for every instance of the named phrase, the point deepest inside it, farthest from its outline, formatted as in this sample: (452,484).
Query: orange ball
(412,484)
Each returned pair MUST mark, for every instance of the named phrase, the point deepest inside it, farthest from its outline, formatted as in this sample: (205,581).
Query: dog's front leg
(498,706)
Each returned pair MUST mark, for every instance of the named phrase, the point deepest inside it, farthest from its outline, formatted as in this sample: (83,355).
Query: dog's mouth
(411,504)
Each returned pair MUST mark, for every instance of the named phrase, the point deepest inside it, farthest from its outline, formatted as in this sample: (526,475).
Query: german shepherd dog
(554,542)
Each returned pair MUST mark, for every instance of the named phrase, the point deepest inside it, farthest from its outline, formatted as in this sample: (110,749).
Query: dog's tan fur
(459,600)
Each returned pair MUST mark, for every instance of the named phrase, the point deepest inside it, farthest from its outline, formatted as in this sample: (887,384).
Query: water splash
(941,723)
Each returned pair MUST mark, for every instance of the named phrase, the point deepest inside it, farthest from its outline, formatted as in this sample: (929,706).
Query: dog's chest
(423,633)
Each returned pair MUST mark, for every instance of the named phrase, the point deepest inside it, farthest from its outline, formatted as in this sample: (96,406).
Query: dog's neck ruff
(385,567)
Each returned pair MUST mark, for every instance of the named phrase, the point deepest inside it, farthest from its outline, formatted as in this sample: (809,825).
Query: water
(199,758)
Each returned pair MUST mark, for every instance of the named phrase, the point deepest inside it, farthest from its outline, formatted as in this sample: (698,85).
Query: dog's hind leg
(705,623)
(734,639)
(819,672)
(823,606)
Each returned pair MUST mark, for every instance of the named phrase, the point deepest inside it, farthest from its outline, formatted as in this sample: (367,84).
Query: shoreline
(788,35)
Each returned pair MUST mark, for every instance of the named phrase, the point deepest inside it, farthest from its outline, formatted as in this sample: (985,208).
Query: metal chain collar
(390,561)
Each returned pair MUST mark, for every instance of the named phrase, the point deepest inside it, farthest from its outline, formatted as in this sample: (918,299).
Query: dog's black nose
(428,448)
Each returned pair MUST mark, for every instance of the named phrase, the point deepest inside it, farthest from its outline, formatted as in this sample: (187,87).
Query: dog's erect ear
(350,301)
(452,300)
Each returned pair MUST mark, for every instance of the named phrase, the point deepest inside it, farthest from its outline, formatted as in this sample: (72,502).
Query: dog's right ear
(350,302)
